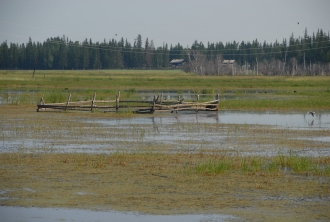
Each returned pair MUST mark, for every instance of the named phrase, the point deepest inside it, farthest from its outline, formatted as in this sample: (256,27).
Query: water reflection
(32,214)
(292,120)
(176,132)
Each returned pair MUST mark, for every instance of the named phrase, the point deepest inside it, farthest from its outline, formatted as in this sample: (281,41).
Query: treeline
(62,53)
(302,55)
(307,55)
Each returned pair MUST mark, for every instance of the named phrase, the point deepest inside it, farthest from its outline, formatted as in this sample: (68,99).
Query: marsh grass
(297,163)
(256,164)
(156,184)
(160,79)
(212,167)
(54,96)
(280,103)
(181,163)
(286,92)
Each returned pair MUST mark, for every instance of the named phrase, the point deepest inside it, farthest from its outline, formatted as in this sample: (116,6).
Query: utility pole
(35,64)
(257,65)
(245,68)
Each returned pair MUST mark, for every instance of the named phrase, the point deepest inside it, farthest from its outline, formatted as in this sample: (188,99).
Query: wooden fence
(138,106)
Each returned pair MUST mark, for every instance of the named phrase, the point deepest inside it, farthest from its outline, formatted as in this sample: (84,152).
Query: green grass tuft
(251,164)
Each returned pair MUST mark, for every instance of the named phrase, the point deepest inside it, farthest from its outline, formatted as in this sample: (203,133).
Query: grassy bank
(250,92)
(158,80)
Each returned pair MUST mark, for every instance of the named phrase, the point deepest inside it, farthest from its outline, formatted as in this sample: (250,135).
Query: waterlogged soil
(159,184)
(22,129)
(146,164)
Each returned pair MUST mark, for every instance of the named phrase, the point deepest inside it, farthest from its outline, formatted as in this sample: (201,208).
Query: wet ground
(23,130)
(249,133)
(32,214)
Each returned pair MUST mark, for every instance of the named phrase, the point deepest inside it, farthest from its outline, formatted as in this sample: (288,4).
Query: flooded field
(58,163)
(246,133)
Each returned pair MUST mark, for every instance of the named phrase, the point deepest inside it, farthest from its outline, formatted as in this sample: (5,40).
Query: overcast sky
(163,21)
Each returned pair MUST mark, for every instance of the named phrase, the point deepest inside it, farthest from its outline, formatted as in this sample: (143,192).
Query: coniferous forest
(306,55)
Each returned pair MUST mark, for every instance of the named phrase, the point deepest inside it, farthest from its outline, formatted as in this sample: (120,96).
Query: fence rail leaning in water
(159,103)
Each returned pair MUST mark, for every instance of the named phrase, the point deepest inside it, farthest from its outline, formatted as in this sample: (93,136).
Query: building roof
(226,62)
(176,61)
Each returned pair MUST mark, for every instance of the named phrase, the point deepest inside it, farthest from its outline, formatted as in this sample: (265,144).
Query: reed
(255,164)
(212,167)
(297,163)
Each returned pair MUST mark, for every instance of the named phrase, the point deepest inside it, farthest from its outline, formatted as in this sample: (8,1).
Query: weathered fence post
(161,100)
(197,99)
(93,101)
(67,103)
(141,106)
(153,105)
(42,102)
(177,106)
(117,101)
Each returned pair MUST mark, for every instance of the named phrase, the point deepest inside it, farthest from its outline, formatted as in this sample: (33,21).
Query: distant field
(251,92)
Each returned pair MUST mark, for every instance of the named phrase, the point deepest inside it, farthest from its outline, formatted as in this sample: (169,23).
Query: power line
(201,50)
(152,51)
(132,49)
(125,49)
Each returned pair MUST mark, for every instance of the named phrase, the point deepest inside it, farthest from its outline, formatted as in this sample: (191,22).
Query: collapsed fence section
(158,103)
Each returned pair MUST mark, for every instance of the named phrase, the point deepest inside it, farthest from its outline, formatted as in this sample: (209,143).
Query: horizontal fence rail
(158,103)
